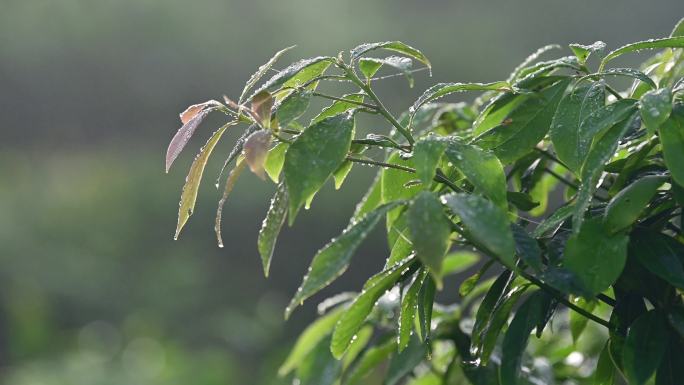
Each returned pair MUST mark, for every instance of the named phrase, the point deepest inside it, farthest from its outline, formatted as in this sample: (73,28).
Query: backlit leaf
(270,227)
(274,161)
(369,66)
(261,72)
(671,134)
(409,307)
(255,151)
(583,51)
(429,231)
(395,46)
(625,207)
(427,152)
(669,42)
(191,120)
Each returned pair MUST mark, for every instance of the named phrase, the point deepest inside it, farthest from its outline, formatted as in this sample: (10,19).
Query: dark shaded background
(92,288)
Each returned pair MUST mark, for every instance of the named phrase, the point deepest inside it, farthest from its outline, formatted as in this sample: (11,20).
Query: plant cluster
(561,189)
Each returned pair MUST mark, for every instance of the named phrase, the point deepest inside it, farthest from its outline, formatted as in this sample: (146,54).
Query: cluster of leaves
(470,185)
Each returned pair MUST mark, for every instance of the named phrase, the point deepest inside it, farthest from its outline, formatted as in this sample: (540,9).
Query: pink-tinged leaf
(192,181)
(256,150)
(183,136)
(230,183)
(195,109)
(261,107)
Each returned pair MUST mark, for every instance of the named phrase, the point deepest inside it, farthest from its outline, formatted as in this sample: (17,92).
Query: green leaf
(393,187)
(427,152)
(525,126)
(409,307)
(339,107)
(426,301)
(554,220)
(484,312)
(595,256)
(341,173)
(308,340)
(482,168)
(275,160)
(527,247)
(314,155)
(486,223)
(668,42)
(644,347)
(531,59)
(574,108)
(521,201)
(395,46)
(333,259)
(357,346)
(578,322)
(659,254)
(671,369)
(584,51)
(442,89)
(429,231)
(469,283)
(599,154)
(515,341)
(625,72)
(319,367)
(626,207)
(373,357)
(292,107)
(655,107)
(231,180)
(192,181)
(371,199)
(296,74)
(369,66)
(497,322)
(270,227)
(356,314)
(263,69)
(605,370)
(403,363)
(671,134)
(459,261)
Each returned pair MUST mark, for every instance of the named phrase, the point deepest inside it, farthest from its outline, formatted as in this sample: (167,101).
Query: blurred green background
(92,288)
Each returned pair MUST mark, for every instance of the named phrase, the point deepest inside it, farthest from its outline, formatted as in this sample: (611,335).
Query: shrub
(463,185)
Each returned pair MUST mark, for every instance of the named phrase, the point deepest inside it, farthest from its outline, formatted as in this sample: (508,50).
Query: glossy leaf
(554,220)
(495,293)
(497,322)
(333,259)
(525,126)
(671,134)
(409,307)
(256,150)
(338,107)
(644,347)
(527,247)
(517,335)
(426,155)
(270,227)
(296,74)
(395,46)
(369,66)
(191,118)
(314,156)
(263,69)
(468,284)
(429,231)
(626,207)
(584,51)
(595,256)
(624,72)
(192,181)
(486,224)
(659,254)
(273,164)
(573,109)
(354,317)
(373,357)
(669,42)
(482,168)
(458,261)
(292,107)
(655,107)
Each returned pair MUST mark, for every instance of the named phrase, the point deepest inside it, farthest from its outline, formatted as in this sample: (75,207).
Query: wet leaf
(395,46)
(671,134)
(270,227)
(373,357)
(405,361)
(319,367)
(655,107)
(296,74)
(191,120)
(273,164)
(669,42)
(314,156)
(486,224)
(624,72)
(427,152)
(429,231)
(409,307)
(227,189)
(495,293)
(626,207)
(644,347)
(459,261)
(255,151)
(659,254)
(369,66)
(292,107)
(584,51)
(595,256)
(262,104)
(469,283)
(333,259)
(338,107)
(527,247)
(263,69)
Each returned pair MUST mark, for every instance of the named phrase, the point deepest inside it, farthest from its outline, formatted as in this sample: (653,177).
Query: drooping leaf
(573,109)
(426,301)
(429,230)
(369,66)
(605,369)
(409,307)
(403,363)
(486,224)
(599,154)
(671,134)
(191,118)
(192,181)
(373,357)
(644,347)
(270,227)
(655,107)
(262,104)
(357,346)
(482,168)
(395,46)
(525,126)
(354,317)
(495,293)
(319,367)
(625,207)
(584,51)
(275,159)
(518,333)
(578,322)
(308,340)
(255,151)
(314,155)
(442,89)
(668,42)
(595,256)
(427,152)
(261,72)
(231,180)
(497,322)
(333,259)
(659,254)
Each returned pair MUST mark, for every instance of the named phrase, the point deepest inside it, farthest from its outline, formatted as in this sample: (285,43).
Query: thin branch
(331,97)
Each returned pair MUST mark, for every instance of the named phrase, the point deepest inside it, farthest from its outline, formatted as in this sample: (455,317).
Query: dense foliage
(559,190)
